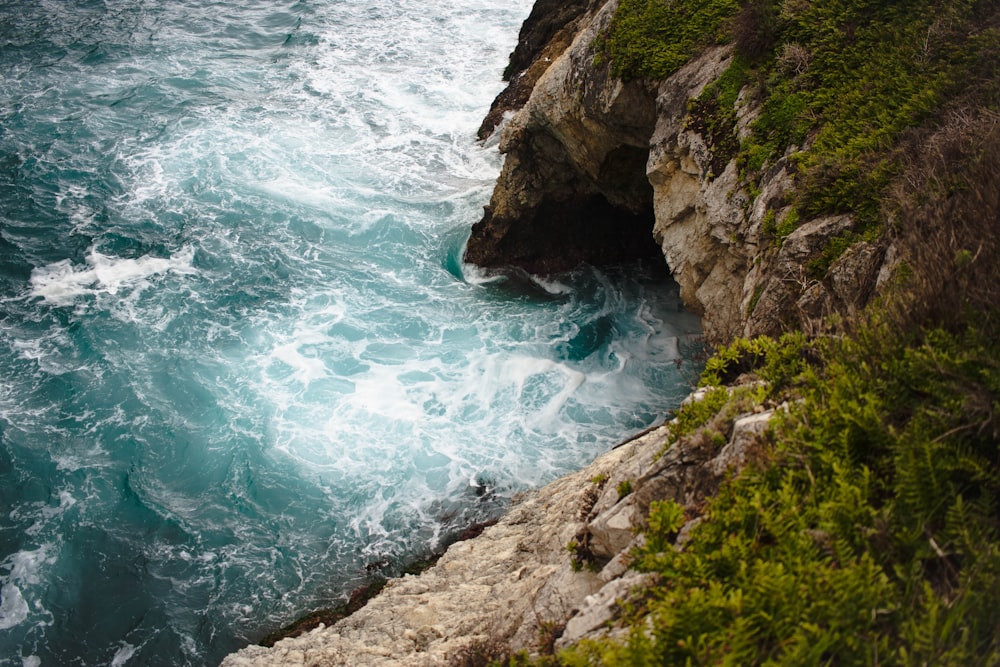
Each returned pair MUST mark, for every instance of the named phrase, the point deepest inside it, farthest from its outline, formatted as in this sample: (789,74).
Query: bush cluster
(869,535)
(867,529)
(838,81)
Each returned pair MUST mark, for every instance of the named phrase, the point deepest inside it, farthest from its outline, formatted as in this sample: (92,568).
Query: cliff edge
(793,164)
(601,169)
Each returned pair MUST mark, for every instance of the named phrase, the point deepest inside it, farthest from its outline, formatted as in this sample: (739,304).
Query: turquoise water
(244,368)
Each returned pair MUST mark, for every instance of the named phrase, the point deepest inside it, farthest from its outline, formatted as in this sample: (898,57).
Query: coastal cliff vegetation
(840,83)
(865,527)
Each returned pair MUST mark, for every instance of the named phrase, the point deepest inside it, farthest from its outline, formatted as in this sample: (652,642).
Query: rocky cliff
(596,170)
(599,170)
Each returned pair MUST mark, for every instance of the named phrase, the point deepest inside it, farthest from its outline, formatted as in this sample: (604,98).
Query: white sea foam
(25,569)
(306,369)
(123,655)
(551,285)
(61,283)
(13,608)
(477,275)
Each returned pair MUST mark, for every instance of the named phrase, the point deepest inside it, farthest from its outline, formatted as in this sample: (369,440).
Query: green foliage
(818,266)
(581,557)
(868,532)
(865,72)
(838,82)
(695,414)
(624,488)
(576,560)
(778,362)
(713,115)
(666,517)
(653,38)
(870,536)
(788,224)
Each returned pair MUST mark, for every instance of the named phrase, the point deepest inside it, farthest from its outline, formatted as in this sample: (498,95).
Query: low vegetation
(839,83)
(868,533)
(866,530)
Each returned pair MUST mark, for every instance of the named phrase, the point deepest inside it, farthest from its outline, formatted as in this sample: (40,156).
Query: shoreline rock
(573,187)
(549,573)
(599,170)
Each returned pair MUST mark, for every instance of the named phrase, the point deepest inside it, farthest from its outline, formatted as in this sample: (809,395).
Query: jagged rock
(746,432)
(854,275)
(573,186)
(595,166)
(517,579)
(602,607)
(500,586)
(545,34)
(698,214)
(598,170)
(787,292)
(613,530)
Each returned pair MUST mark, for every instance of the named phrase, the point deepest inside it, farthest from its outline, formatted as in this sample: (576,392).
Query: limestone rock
(595,166)
(573,186)
(602,607)
(545,34)
(746,432)
(517,580)
(499,586)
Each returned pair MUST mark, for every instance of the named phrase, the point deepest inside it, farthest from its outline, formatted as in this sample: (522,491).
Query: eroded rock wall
(573,187)
(595,167)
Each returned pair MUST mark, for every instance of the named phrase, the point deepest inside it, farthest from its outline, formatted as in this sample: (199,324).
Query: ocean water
(243,366)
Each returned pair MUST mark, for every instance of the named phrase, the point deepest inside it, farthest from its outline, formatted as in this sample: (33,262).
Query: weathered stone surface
(603,607)
(595,165)
(499,586)
(698,214)
(545,34)
(517,578)
(746,432)
(573,186)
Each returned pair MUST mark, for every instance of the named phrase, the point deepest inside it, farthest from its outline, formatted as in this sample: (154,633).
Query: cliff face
(574,169)
(600,170)
(596,168)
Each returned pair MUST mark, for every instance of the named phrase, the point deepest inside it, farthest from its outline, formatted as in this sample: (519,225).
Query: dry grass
(947,222)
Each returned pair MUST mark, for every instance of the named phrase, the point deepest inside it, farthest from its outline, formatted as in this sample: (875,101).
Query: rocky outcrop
(573,186)
(595,167)
(600,170)
(552,571)
(545,34)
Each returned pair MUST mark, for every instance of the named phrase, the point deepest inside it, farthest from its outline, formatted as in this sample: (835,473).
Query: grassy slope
(867,530)
(840,82)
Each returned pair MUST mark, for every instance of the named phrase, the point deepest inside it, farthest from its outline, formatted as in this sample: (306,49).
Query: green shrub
(653,38)
(840,80)
(870,534)
(695,414)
